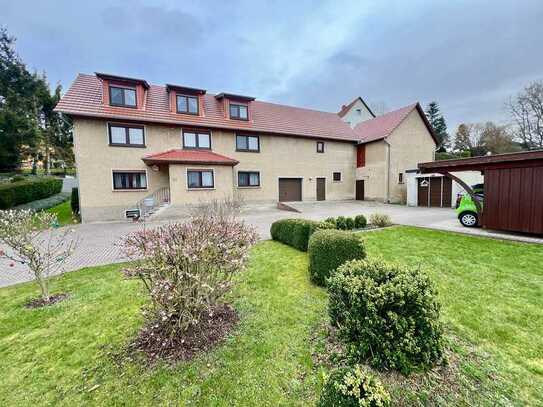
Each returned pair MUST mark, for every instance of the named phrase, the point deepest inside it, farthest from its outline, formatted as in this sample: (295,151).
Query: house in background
(138,143)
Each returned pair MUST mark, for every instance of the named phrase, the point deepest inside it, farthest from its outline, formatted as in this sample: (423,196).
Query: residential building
(137,143)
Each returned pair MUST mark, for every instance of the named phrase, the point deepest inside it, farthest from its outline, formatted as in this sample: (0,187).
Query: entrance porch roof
(180,156)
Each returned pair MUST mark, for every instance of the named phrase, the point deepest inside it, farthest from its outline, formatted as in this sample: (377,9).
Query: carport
(513,188)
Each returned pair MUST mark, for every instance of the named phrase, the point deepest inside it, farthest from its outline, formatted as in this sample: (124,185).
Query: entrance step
(287,207)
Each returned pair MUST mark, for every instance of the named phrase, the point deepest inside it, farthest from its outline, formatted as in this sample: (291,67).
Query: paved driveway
(98,240)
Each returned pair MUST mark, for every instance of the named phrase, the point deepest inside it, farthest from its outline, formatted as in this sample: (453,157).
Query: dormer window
(187,104)
(122,96)
(238,112)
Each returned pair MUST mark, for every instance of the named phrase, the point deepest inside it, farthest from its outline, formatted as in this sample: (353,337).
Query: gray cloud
(470,56)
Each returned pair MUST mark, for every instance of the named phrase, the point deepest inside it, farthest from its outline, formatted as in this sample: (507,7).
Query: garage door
(434,191)
(290,189)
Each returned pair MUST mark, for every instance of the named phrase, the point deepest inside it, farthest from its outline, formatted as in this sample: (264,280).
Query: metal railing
(152,201)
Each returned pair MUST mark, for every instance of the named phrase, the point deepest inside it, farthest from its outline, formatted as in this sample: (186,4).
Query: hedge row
(346,223)
(28,190)
(296,232)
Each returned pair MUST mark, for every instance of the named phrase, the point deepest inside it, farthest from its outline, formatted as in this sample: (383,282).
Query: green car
(466,209)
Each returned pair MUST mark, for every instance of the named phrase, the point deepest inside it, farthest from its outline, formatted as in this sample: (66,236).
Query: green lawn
(64,213)
(70,353)
(491,292)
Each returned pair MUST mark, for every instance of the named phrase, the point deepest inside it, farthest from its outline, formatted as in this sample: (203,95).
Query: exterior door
(423,188)
(435,191)
(290,189)
(360,190)
(321,189)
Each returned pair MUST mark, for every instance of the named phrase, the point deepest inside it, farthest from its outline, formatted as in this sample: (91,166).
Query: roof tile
(178,156)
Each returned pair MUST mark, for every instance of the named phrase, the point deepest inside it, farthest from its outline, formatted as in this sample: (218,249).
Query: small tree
(33,242)
(186,268)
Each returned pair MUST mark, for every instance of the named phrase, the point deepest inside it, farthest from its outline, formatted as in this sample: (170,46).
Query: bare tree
(480,139)
(32,241)
(527,112)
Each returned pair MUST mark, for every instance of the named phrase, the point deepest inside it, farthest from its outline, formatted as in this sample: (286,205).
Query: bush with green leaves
(74,203)
(341,223)
(380,220)
(331,220)
(360,221)
(294,232)
(28,190)
(349,223)
(329,249)
(353,387)
(387,314)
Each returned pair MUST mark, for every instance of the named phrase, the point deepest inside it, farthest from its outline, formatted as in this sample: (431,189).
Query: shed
(513,188)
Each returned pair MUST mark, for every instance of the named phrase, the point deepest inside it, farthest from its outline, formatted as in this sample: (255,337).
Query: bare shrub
(228,207)
(186,269)
(32,241)
(380,220)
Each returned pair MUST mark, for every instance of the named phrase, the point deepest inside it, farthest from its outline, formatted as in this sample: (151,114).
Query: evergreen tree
(29,128)
(439,125)
(18,121)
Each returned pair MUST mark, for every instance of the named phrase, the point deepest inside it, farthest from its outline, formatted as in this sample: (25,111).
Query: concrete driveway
(98,241)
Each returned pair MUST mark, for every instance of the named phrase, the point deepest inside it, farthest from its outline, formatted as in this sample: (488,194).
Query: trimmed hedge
(386,314)
(353,387)
(31,189)
(329,249)
(295,232)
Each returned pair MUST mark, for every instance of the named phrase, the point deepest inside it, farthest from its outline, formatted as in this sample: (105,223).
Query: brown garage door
(290,189)
(434,191)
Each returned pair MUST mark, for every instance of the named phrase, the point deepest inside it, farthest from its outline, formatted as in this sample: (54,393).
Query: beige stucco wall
(373,173)
(409,144)
(181,195)
(278,157)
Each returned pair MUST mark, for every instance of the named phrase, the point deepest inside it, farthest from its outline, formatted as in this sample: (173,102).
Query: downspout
(387,171)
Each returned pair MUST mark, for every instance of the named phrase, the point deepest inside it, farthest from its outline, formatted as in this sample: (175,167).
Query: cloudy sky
(470,56)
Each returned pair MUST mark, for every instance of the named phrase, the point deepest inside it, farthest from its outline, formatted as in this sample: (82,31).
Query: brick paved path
(97,245)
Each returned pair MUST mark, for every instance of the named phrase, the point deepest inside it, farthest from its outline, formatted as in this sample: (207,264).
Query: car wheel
(468,219)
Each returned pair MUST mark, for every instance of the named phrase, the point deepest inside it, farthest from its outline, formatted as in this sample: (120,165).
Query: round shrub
(341,223)
(360,221)
(387,314)
(331,220)
(329,249)
(380,220)
(325,225)
(353,387)
(349,223)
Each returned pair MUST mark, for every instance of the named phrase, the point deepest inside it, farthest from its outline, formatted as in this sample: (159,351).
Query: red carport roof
(178,156)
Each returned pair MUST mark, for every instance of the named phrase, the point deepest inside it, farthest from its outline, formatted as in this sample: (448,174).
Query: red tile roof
(178,156)
(84,98)
(382,126)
